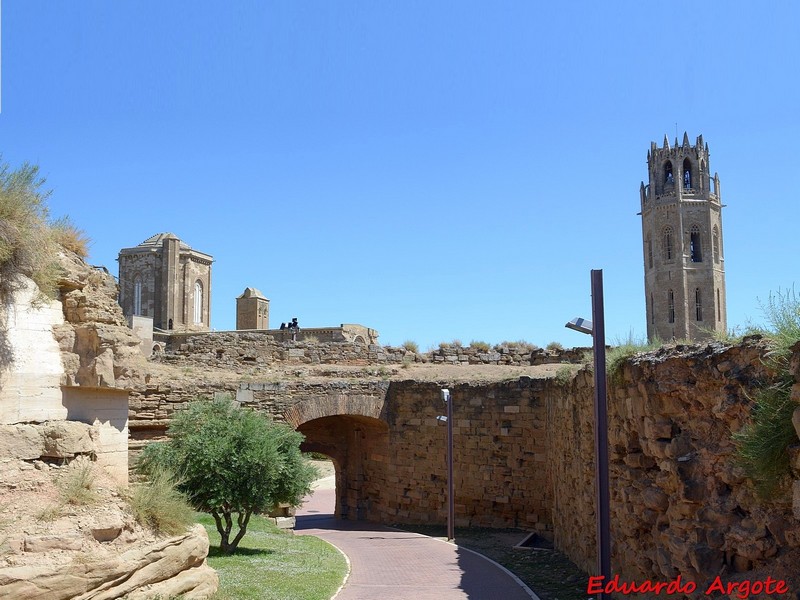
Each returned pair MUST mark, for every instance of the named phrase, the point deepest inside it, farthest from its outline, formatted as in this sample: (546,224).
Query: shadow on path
(391,564)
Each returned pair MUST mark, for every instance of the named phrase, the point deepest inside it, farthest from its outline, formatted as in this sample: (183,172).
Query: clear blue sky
(435,170)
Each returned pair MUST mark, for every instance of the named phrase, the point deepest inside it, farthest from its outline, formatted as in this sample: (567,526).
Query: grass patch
(68,236)
(271,564)
(77,484)
(411,346)
(762,444)
(564,374)
(555,346)
(480,346)
(622,350)
(523,345)
(156,504)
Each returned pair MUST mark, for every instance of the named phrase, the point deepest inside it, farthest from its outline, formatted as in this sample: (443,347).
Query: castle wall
(679,503)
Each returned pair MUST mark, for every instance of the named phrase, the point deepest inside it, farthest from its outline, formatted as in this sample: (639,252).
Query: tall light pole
(597,328)
(450,498)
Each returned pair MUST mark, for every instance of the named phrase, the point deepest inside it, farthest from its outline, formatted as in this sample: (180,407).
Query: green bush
(159,505)
(622,350)
(555,346)
(231,462)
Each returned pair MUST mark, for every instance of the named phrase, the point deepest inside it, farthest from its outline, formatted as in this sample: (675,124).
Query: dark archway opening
(356,445)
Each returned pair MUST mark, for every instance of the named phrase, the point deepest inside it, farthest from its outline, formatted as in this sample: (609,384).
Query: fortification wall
(679,503)
(234,348)
(524,455)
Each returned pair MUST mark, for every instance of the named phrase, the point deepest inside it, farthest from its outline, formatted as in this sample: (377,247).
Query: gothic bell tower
(684,265)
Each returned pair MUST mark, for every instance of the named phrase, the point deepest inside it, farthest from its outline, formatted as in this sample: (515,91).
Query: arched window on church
(698,304)
(671,306)
(137,295)
(687,174)
(719,307)
(668,176)
(198,302)
(715,243)
(649,252)
(695,245)
(667,243)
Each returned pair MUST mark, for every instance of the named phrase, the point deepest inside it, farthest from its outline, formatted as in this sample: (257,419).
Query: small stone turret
(252,310)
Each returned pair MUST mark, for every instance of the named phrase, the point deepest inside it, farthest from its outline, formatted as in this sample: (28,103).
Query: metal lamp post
(450,497)
(596,328)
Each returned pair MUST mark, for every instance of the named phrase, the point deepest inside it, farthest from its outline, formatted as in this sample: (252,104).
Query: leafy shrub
(159,505)
(231,461)
(555,346)
(411,346)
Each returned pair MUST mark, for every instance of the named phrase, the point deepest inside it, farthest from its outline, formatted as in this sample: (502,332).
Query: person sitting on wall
(283,326)
(294,324)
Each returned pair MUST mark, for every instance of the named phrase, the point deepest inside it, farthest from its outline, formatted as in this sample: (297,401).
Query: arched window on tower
(198,302)
(649,252)
(667,243)
(671,306)
(669,178)
(695,244)
(687,174)
(719,307)
(137,295)
(715,243)
(698,305)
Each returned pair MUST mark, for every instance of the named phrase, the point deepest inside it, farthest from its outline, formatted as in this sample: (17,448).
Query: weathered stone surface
(45,543)
(23,442)
(796,420)
(65,439)
(116,576)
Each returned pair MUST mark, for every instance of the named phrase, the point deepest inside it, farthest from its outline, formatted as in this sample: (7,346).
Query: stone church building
(165,279)
(684,262)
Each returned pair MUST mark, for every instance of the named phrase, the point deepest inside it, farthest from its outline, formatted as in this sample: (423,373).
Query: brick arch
(337,405)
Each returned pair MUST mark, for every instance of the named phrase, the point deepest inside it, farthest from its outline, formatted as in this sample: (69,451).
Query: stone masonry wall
(499,456)
(679,504)
(232,348)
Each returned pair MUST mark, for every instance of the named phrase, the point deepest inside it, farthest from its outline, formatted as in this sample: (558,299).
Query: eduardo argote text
(742,589)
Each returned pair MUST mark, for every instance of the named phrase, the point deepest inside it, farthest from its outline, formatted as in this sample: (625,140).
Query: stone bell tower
(684,265)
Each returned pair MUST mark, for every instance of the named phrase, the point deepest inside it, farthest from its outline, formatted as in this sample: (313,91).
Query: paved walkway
(387,564)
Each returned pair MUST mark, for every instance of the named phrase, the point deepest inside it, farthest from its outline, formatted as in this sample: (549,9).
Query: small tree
(232,462)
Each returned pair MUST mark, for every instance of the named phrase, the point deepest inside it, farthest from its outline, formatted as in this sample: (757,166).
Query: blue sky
(434,170)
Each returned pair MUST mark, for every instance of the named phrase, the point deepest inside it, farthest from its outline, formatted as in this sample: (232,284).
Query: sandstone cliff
(75,360)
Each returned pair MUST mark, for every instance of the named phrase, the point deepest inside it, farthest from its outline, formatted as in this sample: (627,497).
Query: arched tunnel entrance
(351,441)
(354,443)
